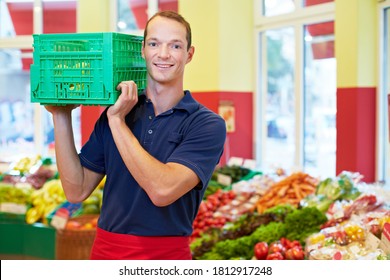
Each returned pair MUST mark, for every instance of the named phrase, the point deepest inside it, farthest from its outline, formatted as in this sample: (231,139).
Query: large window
(319,126)
(27,128)
(296,92)
(280,110)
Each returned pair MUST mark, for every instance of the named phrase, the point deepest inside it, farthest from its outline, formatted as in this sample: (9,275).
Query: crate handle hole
(71,87)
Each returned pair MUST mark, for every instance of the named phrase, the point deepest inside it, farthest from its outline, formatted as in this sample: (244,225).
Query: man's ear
(191,52)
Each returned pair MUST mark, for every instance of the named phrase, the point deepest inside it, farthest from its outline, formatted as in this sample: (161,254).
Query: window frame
(26,42)
(297,19)
(383,141)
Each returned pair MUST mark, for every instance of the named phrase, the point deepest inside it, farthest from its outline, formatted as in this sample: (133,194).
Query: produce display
(297,217)
(289,190)
(205,218)
(31,187)
(44,201)
(30,171)
(353,230)
(244,214)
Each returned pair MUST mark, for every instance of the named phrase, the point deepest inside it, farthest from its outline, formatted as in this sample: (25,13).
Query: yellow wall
(223,39)
(93,16)
(356,43)
(203,71)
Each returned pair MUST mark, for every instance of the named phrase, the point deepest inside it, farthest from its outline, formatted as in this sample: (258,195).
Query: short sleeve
(202,145)
(92,153)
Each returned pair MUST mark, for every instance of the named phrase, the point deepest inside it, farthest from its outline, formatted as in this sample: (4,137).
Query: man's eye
(152,44)
(176,47)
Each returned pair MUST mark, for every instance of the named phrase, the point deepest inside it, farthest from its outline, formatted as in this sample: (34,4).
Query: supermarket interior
(303,88)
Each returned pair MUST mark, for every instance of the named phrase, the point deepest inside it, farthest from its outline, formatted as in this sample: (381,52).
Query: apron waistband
(117,246)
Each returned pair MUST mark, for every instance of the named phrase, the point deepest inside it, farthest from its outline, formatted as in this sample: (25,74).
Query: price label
(60,219)
(224,179)
(235,161)
(14,208)
(250,164)
(372,241)
(385,240)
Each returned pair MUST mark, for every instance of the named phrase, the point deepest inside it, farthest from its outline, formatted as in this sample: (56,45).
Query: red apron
(116,246)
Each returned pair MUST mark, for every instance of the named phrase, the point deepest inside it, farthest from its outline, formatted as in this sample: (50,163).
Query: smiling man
(158,151)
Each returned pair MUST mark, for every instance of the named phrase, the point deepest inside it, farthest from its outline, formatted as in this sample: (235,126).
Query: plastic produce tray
(84,68)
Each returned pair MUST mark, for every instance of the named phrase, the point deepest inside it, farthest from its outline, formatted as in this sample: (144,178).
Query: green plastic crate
(84,68)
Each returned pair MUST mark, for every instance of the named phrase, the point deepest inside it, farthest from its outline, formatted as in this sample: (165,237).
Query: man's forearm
(68,163)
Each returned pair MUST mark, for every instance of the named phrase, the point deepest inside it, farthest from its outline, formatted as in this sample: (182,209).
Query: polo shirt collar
(187,103)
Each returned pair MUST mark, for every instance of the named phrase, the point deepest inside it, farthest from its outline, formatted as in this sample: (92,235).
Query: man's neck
(164,97)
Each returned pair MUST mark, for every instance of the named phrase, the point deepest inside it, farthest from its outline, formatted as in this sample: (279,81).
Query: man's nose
(164,51)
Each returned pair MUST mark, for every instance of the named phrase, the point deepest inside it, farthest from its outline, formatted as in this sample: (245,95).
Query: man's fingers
(126,86)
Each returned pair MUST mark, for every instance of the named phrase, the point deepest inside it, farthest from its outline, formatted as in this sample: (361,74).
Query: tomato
(261,250)
(295,243)
(295,253)
(275,256)
(276,247)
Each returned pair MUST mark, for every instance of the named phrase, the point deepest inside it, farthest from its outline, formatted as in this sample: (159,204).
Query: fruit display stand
(298,216)
(19,240)
(30,195)
(76,240)
(301,217)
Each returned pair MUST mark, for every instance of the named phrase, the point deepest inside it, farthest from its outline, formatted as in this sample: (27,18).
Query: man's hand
(60,108)
(126,100)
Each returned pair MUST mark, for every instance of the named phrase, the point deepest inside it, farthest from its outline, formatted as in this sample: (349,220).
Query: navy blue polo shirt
(189,134)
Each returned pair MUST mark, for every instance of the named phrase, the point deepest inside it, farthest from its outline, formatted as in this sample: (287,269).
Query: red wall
(140,8)
(356,118)
(58,17)
(240,142)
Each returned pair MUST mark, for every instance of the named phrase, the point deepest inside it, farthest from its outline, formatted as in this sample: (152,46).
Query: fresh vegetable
(275,256)
(277,246)
(295,253)
(302,222)
(234,171)
(297,225)
(320,201)
(243,247)
(213,187)
(342,187)
(204,220)
(261,250)
(290,190)
(243,226)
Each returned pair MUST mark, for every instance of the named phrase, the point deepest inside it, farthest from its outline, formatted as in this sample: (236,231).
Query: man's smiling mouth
(163,65)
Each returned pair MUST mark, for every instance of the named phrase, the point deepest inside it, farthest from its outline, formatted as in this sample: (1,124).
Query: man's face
(165,50)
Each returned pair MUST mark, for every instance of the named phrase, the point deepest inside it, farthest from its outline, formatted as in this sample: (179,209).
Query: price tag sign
(60,219)
(372,241)
(224,179)
(385,240)
(14,208)
(250,164)
(235,161)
